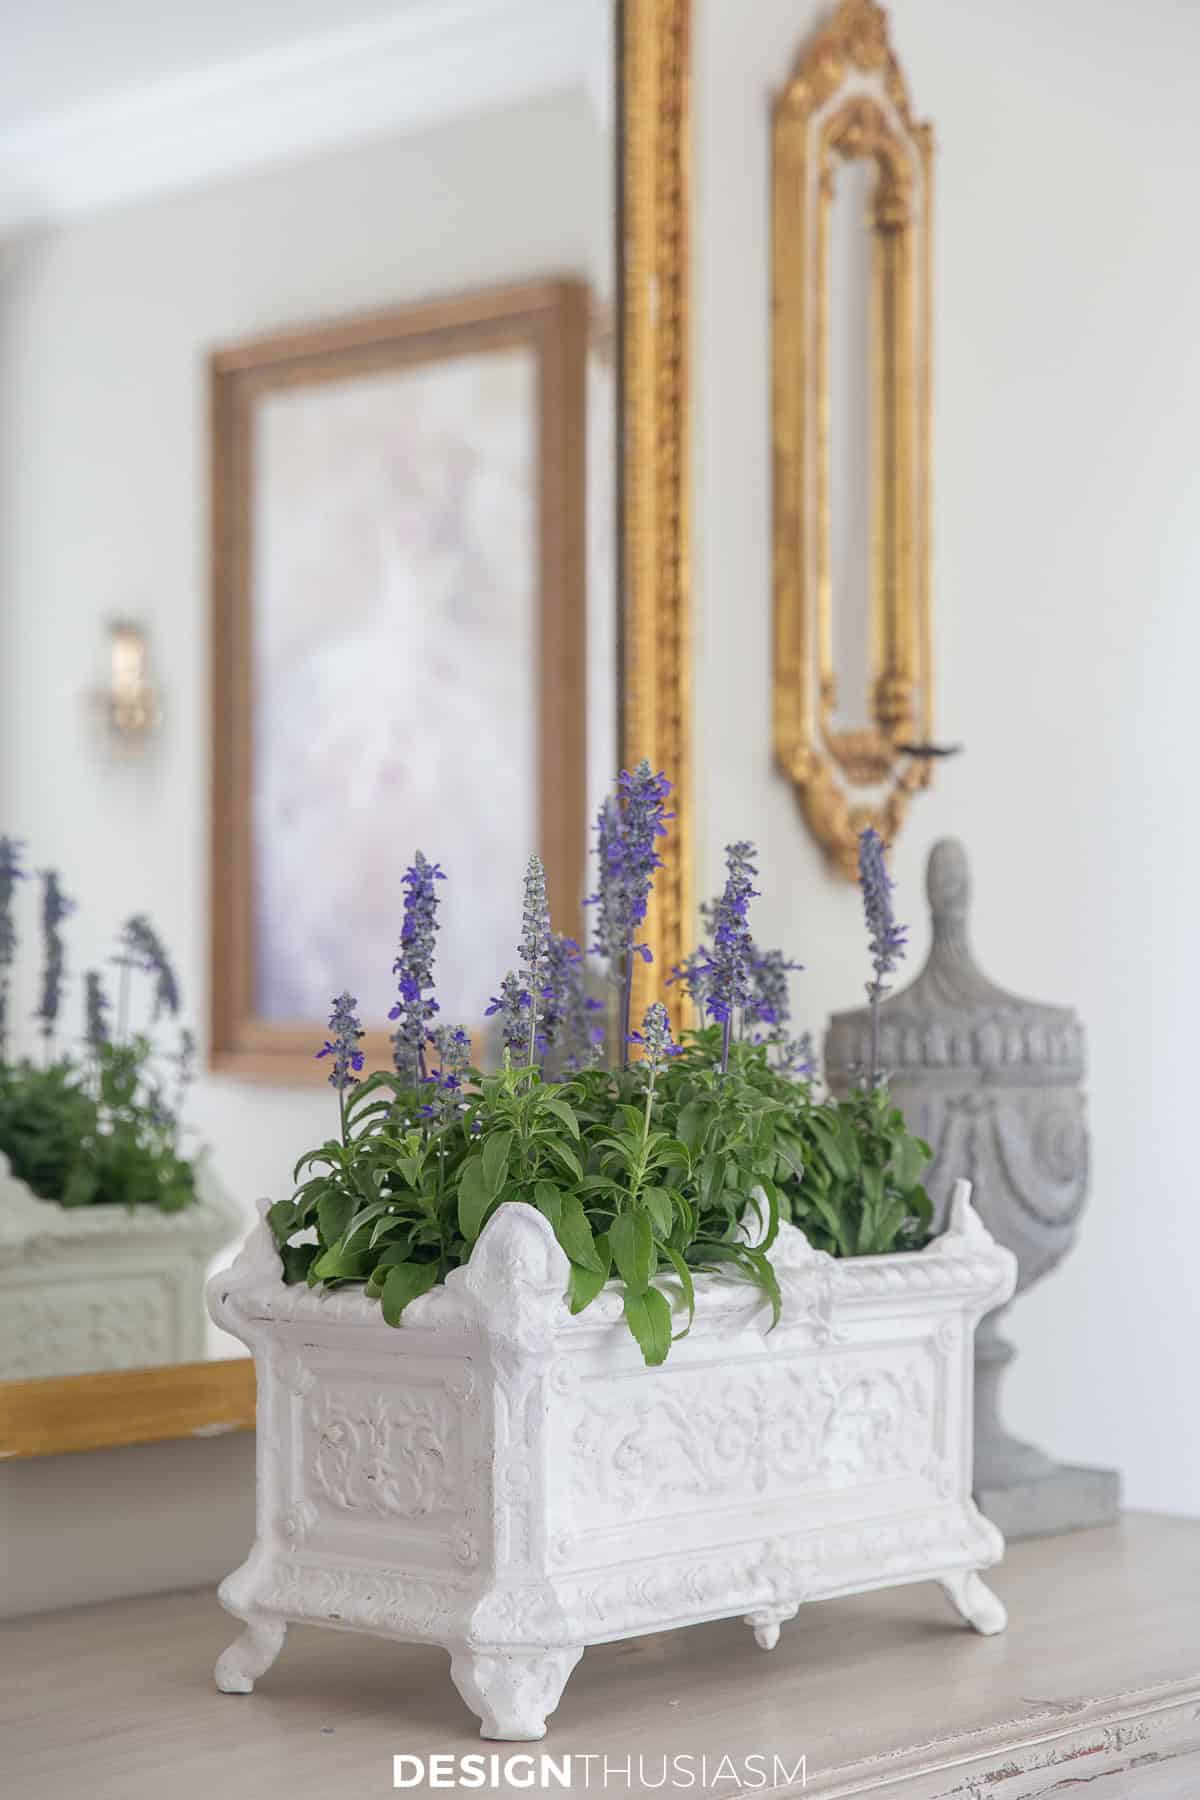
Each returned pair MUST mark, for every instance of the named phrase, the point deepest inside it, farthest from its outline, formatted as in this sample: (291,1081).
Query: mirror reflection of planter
(91,1288)
(993,1083)
(513,1482)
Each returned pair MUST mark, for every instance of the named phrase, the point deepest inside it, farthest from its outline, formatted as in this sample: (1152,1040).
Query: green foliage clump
(685,1159)
(639,1171)
(91,1124)
(94,1133)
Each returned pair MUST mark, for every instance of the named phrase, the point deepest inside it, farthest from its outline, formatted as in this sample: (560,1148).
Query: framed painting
(399,651)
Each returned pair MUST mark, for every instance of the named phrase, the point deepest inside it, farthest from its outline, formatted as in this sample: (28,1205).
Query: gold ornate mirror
(852,174)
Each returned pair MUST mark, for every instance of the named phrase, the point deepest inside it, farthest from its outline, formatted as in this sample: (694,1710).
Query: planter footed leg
(249,1656)
(766,1621)
(513,1692)
(975,1601)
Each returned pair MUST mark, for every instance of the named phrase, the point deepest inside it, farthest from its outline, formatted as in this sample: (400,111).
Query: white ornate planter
(87,1288)
(513,1484)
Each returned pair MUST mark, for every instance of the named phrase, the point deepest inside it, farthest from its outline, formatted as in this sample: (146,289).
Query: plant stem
(726,1033)
(627,1002)
(342,1113)
(533,1014)
(873,1074)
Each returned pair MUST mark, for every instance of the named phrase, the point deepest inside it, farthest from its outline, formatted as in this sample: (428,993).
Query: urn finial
(948,884)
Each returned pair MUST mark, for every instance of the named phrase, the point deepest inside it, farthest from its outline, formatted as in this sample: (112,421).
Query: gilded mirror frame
(86,1412)
(847,100)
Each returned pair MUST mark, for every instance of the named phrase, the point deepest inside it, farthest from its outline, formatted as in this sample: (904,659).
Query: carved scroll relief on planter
(852,325)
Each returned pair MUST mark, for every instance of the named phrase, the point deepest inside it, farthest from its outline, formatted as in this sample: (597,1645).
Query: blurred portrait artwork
(397,617)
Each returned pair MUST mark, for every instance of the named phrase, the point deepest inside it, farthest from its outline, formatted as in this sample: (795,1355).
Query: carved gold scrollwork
(847,102)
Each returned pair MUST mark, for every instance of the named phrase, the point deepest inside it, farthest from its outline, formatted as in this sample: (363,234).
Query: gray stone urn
(993,1083)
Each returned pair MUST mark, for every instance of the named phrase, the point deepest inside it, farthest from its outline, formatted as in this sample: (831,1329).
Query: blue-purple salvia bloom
(655,1036)
(770,1001)
(534,947)
(512,1003)
(728,975)
(55,908)
(142,948)
(342,1043)
(797,1057)
(11,853)
(657,1046)
(453,1046)
(95,1010)
(627,835)
(567,1018)
(414,967)
(887,939)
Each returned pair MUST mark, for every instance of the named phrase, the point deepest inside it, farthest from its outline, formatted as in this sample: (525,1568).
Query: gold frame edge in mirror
(656,662)
(821,763)
(126,1406)
(86,1412)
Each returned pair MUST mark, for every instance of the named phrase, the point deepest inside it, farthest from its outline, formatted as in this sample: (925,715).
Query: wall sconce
(130,703)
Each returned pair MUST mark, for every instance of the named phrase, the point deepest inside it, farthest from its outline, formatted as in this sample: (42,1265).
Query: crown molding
(425,60)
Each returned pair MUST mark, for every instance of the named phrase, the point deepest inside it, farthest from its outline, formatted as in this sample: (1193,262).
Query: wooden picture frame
(550,319)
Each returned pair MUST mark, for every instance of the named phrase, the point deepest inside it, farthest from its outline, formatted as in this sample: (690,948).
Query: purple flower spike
(628,830)
(95,1010)
(11,853)
(770,1000)
(414,968)
(655,1036)
(55,908)
(512,1003)
(142,948)
(567,1022)
(535,947)
(342,1044)
(728,974)
(887,939)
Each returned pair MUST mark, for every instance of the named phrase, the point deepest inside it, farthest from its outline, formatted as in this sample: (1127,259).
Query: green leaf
(403,1284)
(585,1284)
(566,1157)
(281,1218)
(632,1244)
(495,1161)
(685,1277)
(336,1264)
(334,1212)
(474,1195)
(549,1201)
(649,1319)
(297,1259)
(693,1122)
(908,1160)
(657,1202)
(575,1234)
(566,1113)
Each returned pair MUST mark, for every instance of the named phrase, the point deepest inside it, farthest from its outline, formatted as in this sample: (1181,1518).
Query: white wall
(1067,366)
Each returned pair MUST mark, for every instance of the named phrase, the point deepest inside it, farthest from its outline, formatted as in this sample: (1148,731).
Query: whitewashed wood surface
(1092,1694)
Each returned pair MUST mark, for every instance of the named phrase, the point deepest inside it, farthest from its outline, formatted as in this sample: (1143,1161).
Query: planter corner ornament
(511,1482)
(994,1083)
